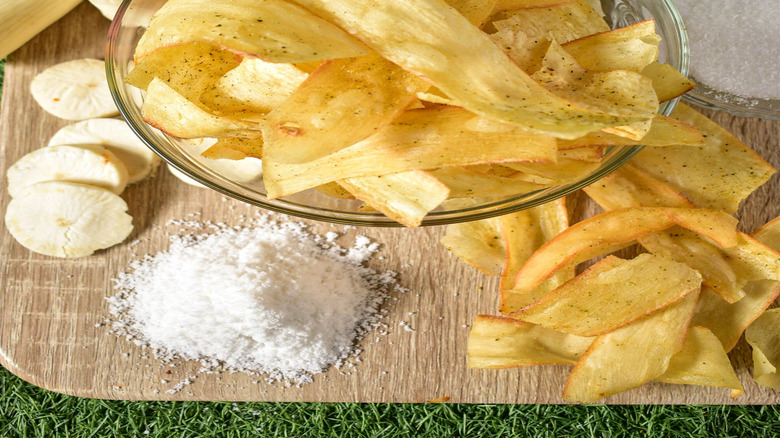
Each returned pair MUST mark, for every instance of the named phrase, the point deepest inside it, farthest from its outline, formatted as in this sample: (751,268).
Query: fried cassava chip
(764,336)
(498,342)
(611,294)
(631,355)
(273,30)
(418,139)
(719,174)
(431,39)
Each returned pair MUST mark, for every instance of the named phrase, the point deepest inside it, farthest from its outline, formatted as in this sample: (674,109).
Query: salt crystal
(264,298)
(735,45)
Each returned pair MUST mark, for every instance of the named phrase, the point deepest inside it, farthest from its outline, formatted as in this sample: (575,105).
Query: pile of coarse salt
(735,45)
(266,298)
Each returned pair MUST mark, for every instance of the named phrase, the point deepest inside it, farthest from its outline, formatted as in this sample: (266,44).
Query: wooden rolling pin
(20,20)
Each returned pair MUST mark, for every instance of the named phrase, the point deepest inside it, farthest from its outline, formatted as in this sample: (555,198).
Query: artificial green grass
(28,411)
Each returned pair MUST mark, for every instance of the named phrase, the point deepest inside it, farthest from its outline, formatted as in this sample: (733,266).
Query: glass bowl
(129,23)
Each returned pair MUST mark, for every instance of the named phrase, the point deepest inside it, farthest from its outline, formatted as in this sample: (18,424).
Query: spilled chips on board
(670,314)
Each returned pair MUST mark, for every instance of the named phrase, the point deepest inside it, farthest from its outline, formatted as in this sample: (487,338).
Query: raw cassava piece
(267,298)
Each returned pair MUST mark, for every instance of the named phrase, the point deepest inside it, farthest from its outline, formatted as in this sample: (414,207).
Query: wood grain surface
(54,329)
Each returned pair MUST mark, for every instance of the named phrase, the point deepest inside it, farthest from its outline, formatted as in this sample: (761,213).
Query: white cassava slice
(64,219)
(107,7)
(117,137)
(86,164)
(74,90)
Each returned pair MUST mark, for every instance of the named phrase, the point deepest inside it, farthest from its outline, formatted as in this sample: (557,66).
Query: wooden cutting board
(53,312)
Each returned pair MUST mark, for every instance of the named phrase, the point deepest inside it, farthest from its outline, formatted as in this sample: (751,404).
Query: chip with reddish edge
(611,294)
(616,229)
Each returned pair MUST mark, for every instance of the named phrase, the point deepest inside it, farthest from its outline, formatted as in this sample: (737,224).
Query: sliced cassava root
(116,136)
(86,164)
(74,90)
(64,219)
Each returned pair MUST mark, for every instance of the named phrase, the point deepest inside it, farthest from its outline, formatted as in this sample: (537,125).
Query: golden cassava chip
(764,336)
(664,131)
(524,232)
(702,361)
(189,69)
(272,30)
(632,355)
(630,187)
(728,320)
(562,22)
(562,171)
(633,47)
(688,247)
(405,197)
(667,81)
(254,86)
(431,39)
(229,147)
(719,174)
(497,342)
(476,11)
(224,150)
(172,113)
(342,102)
(465,182)
(627,93)
(611,294)
(726,270)
(478,243)
(418,139)
(503,5)
(616,229)
(769,234)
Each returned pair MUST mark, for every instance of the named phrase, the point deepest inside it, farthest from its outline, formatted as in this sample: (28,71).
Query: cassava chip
(271,30)
(664,131)
(342,102)
(524,232)
(611,294)
(632,355)
(630,187)
(431,39)
(561,21)
(702,361)
(668,83)
(405,197)
(172,113)
(418,139)
(633,48)
(464,182)
(764,336)
(254,86)
(190,69)
(497,342)
(478,243)
(616,229)
(719,174)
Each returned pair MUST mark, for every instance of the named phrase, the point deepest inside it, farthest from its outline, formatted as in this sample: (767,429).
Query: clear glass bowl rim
(119,91)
